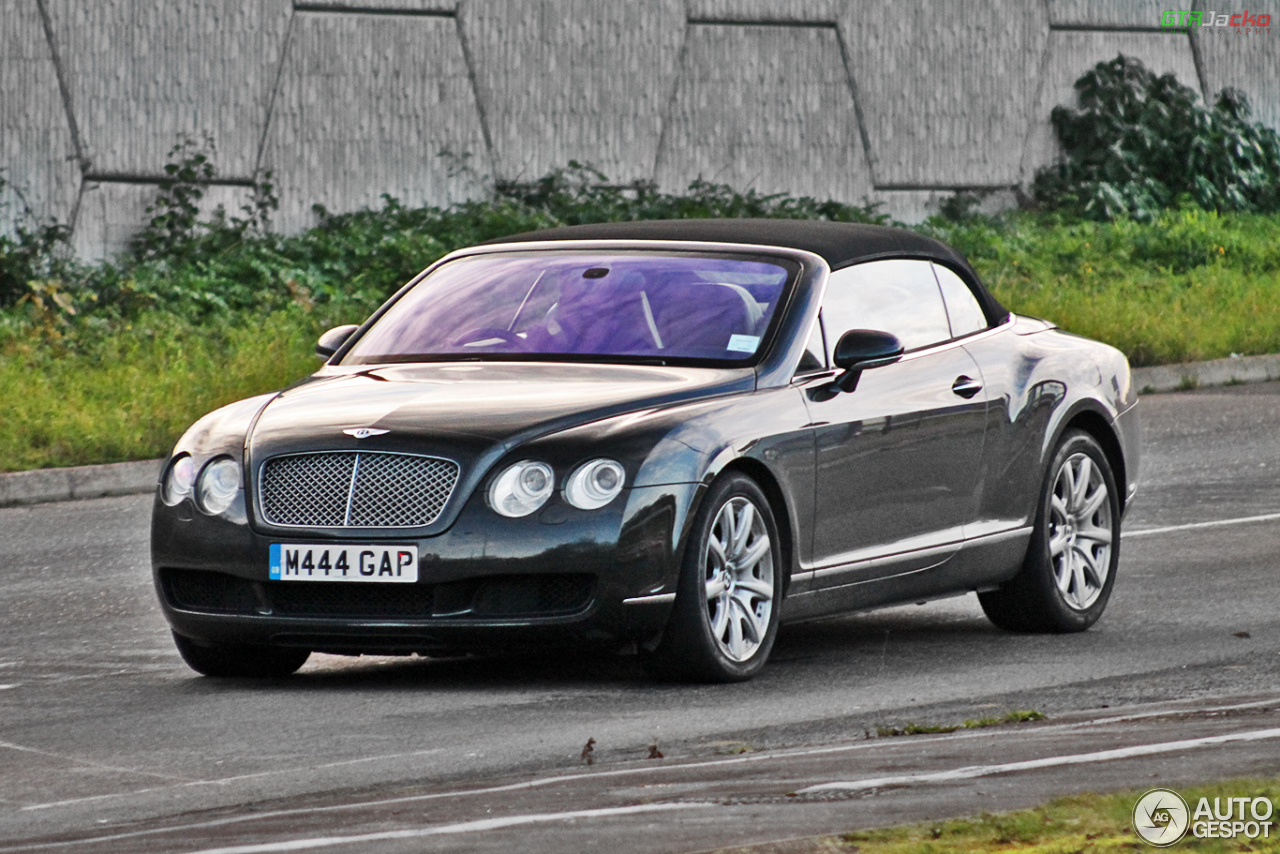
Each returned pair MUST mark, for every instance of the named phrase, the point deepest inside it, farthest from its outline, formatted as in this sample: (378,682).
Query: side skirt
(981,563)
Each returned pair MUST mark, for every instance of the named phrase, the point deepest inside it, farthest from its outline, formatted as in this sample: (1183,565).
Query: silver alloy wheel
(738,573)
(1080,531)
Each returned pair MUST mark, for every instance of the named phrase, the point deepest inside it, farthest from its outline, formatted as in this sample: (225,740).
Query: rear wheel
(726,611)
(225,660)
(1071,562)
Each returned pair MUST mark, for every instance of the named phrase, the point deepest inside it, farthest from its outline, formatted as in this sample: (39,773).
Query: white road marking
(440,830)
(617,772)
(1048,762)
(1137,716)
(1244,520)
(5,745)
(222,781)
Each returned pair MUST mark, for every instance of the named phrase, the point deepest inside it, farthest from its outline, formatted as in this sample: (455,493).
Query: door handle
(966,387)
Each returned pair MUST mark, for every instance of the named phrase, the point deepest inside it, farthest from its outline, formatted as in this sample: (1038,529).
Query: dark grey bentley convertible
(667,435)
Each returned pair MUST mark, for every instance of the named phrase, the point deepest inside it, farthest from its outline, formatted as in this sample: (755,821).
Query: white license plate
(312,562)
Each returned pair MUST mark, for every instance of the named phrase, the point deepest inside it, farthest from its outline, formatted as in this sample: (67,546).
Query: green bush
(202,271)
(1140,144)
(33,252)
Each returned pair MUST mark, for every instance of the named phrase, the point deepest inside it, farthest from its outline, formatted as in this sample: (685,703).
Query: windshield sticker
(743,343)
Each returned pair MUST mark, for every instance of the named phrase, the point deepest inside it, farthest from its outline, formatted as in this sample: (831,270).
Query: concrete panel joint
(63,86)
(741,22)
(351,9)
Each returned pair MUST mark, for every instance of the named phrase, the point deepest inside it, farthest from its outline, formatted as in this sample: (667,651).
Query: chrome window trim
(801,255)
(921,352)
(952,343)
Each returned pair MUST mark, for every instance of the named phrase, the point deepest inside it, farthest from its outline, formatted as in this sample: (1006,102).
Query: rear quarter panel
(1042,381)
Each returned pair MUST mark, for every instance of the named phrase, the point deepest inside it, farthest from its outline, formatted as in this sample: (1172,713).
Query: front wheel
(255,662)
(725,616)
(1071,562)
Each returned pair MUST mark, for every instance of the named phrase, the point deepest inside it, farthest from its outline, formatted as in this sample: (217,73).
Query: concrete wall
(896,101)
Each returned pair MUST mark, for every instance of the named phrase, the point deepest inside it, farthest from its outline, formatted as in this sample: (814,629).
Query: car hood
(466,411)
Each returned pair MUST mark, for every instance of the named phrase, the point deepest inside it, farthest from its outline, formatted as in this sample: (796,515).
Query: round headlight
(522,488)
(594,484)
(218,485)
(178,480)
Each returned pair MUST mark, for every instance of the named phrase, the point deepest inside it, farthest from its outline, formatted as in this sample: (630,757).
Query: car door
(1021,406)
(898,459)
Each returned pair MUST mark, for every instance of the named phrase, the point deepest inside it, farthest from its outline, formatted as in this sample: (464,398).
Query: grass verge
(1080,824)
(1191,285)
(128,395)
(111,362)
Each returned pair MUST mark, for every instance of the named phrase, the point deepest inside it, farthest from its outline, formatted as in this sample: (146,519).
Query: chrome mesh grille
(349,489)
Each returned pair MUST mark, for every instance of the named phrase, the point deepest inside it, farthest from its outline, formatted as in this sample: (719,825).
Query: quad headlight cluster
(525,486)
(214,488)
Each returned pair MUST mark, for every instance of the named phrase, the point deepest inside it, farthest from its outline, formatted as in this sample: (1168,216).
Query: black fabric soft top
(838,243)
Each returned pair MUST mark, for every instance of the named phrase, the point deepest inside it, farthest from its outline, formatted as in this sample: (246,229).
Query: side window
(897,296)
(962,306)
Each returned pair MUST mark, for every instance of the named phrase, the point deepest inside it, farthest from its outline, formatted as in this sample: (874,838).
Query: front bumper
(561,574)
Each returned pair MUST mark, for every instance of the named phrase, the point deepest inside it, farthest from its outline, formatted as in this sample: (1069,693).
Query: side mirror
(860,349)
(333,339)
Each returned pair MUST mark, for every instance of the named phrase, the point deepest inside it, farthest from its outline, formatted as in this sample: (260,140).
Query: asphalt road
(107,738)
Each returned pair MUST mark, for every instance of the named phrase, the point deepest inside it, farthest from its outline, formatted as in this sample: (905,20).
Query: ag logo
(1160,817)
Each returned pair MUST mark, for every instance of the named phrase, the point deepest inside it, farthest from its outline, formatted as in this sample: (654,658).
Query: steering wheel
(484,333)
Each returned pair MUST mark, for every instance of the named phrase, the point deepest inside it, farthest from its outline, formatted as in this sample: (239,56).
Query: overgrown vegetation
(1015,717)
(32,254)
(1081,823)
(110,361)
(1140,144)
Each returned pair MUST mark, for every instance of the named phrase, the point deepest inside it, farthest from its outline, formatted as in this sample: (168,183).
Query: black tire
(692,647)
(245,662)
(1061,587)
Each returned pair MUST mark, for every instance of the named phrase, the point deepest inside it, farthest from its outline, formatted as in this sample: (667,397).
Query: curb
(1192,375)
(78,482)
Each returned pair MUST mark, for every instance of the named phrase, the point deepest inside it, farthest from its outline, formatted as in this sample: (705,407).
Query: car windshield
(583,306)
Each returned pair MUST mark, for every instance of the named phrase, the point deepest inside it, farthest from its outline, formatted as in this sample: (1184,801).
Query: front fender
(224,430)
(765,433)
